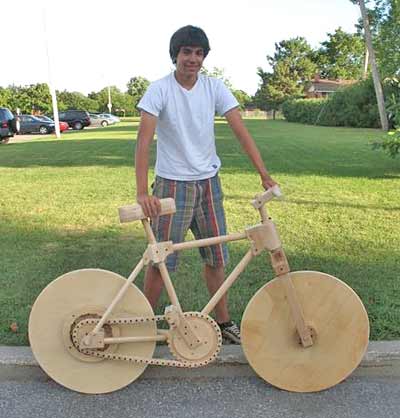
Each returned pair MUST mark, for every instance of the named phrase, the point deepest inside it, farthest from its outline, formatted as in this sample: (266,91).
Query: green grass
(59,200)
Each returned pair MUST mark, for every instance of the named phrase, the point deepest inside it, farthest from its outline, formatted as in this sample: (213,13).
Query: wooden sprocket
(209,334)
(339,325)
(86,294)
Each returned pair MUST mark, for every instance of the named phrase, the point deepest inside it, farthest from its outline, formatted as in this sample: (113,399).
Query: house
(323,87)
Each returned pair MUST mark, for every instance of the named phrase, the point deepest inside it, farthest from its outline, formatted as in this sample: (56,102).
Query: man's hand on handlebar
(150,204)
(268,182)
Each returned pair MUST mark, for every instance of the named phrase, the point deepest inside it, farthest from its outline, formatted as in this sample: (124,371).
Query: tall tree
(29,99)
(341,56)
(387,43)
(375,73)
(292,66)
(217,72)
(119,99)
(76,100)
(137,86)
(4,96)
(242,97)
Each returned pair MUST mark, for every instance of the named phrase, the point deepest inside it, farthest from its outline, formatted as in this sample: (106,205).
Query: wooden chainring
(209,333)
(339,324)
(76,292)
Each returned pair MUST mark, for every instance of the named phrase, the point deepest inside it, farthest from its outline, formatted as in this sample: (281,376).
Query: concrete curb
(379,353)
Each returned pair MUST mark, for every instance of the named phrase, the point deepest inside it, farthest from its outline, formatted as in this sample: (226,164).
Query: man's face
(189,60)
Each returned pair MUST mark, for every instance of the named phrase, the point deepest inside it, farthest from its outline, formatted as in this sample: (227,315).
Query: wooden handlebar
(130,213)
(262,198)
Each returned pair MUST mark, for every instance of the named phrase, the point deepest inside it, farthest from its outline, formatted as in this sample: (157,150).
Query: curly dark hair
(188,36)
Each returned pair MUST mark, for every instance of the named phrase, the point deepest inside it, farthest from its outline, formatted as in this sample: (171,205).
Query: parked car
(32,124)
(63,125)
(76,119)
(109,116)
(98,120)
(9,125)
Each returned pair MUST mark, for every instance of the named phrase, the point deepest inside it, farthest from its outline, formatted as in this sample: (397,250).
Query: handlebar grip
(276,190)
(262,198)
(130,213)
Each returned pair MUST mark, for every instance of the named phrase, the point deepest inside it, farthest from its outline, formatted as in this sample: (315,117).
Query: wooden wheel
(337,319)
(86,294)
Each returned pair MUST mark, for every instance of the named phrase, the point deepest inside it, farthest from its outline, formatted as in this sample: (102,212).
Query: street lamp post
(51,86)
(109,105)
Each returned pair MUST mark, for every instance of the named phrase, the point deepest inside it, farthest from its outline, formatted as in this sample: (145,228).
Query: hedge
(353,106)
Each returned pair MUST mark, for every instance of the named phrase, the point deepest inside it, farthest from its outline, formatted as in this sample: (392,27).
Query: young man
(181,108)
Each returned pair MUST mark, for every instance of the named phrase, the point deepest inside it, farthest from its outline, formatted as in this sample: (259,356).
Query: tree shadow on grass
(38,256)
(287,150)
(71,153)
(318,203)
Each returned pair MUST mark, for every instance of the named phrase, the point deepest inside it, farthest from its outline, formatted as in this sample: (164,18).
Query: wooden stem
(149,232)
(263,213)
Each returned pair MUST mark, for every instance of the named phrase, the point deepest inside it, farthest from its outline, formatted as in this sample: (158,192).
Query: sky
(94,43)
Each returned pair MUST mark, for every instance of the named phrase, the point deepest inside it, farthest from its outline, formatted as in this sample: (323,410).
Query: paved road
(369,393)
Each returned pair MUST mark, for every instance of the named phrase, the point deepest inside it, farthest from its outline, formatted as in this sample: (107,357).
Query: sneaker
(230,332)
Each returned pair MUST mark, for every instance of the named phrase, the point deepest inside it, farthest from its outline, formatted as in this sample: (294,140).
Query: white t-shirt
(185,125)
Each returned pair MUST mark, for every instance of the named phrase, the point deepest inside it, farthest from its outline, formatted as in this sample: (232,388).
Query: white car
(99,120)
(108,116)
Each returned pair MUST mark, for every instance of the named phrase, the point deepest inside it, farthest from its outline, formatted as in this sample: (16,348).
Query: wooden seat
(130,213)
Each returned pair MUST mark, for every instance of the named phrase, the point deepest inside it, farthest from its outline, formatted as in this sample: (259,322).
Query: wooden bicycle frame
(262,237)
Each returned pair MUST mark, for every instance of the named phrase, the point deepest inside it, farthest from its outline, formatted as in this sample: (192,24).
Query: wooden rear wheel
(86,294)
(338,322)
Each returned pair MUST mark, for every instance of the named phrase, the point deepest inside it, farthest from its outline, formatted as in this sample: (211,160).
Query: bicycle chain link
(138,359)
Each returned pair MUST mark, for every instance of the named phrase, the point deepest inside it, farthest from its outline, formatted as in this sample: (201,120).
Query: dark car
(9,125)
(63,125)
(32,124)
(76,119)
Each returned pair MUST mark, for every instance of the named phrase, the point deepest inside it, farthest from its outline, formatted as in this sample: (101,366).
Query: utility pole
(375,74)
(109,105)
(51,85)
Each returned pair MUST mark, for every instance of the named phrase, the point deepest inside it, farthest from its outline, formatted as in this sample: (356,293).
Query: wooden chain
(138,359)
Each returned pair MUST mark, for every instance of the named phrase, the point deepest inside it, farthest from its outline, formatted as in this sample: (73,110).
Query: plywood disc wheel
(338,321)
(86,294)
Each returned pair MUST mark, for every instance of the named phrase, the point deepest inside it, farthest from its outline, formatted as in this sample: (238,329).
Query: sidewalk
(379,354)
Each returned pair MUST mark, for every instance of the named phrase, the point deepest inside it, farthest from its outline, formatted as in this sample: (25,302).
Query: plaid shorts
(199,208)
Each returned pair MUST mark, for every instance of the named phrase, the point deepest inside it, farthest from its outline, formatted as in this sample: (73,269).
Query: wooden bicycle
(93,331)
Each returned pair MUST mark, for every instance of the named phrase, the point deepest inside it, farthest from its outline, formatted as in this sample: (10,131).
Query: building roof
(328,86)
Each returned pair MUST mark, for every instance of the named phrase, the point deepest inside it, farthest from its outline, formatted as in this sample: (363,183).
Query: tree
(218,73)
(119,99)
(292,66)
(137,86)
(386,41)
(29,99)
(242,97)
(341,56)
(4,96)
(375,73)
(76,100)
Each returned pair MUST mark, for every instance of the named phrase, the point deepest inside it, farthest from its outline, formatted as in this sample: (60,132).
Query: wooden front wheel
(338,321)
(87,293)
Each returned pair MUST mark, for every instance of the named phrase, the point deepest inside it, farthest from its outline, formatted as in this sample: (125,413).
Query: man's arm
(242,134)
(150,204)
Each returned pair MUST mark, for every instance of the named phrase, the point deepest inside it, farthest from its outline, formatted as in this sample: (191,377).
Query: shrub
(390,143)
(353,106)
(303,110)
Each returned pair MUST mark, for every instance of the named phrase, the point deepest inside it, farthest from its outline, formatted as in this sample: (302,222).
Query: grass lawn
(59,200)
